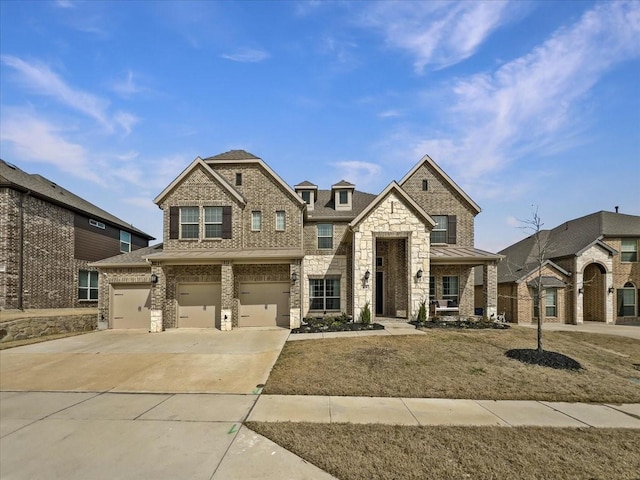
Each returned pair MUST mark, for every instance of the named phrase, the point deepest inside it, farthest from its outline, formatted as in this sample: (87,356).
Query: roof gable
(196,164)
(393,187)
(433,166)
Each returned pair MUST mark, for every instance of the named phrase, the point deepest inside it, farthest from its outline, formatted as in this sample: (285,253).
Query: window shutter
(451,230)
(638,302)
(226,222)
(174,223)
(619,295)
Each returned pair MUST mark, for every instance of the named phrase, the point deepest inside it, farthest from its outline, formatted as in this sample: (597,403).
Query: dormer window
(342,193)
(306,196)
(308,192)
(343,196)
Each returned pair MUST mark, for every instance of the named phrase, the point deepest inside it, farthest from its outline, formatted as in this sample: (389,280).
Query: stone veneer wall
(594,254)
(391,219)
(320,266)
(33,327)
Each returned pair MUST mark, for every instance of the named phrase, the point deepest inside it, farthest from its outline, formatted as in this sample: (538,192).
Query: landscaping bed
(475,323)
(343,323)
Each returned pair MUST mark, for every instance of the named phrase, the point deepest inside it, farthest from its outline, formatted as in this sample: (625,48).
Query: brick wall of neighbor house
(466,292)
(8,249)
(201,189)
(441,199)
(507,301)
(623,272)
(266,195)
(118,276)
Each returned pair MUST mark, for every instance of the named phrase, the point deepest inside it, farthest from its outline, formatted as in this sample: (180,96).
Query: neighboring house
(242,248)
(590,272)
(48,236)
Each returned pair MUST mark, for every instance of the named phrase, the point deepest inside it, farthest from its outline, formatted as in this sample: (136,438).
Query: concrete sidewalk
(437,411)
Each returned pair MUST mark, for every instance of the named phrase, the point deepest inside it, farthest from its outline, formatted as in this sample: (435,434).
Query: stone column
(226,312)
(158,295)
(295,313)
(490,289)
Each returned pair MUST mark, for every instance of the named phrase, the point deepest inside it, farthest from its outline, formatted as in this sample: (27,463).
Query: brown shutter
(174,223)
(619,302)
(226,222)
(451,230)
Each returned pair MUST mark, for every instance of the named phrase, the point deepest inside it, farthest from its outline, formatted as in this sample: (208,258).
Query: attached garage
(131,306)
(264,304)
(199,305)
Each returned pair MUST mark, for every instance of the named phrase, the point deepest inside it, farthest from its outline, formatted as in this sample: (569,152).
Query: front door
(379,293)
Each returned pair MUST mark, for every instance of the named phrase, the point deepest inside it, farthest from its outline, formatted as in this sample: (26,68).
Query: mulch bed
(460,323)
(545,359)
(334,324)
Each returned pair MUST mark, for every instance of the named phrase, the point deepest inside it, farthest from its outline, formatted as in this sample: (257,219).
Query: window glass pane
(213,231)
(325,230)
(333,304)
(432,288)
(190,231)
(256,220)
(317,304)
(343,197)
(213,215)
(333,288)
(306,196)
(325,242)
(280,220)
(189,215)
(316,288)
(83,278)
(439,232)
(125,236)
(93,294)
(82,294)
(94,279)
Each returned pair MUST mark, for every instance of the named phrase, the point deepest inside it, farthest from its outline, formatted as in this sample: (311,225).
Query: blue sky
(521,103)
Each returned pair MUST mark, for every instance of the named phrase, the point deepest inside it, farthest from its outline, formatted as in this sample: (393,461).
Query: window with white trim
(432,289)
(306,196)
(450,290)
(125,242)
(97,224)
(439,232)
(87,285)
(324,294)
(189,222)
(551,302)
(325,235)
(343,197)
(281,220)
(629,250)
(212,222)
(256,221)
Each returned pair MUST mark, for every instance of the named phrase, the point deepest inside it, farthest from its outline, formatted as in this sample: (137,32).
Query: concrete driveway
(175,361)
(133,405)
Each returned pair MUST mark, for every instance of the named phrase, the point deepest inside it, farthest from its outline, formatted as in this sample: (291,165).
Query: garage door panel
(198,305)
(264,304)
(131,307)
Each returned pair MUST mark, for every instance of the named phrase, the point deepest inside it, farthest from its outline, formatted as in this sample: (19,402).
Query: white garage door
(199,305)
(130,306)
(264,304)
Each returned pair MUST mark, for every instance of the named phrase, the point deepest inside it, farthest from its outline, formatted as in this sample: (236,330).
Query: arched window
(627,300)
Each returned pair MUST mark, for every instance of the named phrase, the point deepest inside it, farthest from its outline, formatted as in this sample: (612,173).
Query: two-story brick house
(242,248)
(590,272)
(48,237)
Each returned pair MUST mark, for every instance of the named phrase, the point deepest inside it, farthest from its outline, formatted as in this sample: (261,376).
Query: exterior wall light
(580,291)
(419,273)
(294,278)
(611,289)
(154,278)
(367,275)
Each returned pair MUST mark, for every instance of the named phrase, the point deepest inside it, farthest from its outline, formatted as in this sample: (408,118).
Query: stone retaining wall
(32,327)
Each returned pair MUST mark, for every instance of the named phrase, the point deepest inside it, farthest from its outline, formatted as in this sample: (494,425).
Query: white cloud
(532,104)
(37,140)
(64,4)
(127,86)
(365,175)
(40,79)
(246,55)
(390,114)
(437,33)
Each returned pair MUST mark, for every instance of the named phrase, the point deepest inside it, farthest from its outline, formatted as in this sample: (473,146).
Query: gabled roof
(547,282)
(393,187)
(137,258)
(199,163)
(13,177)
(343,184)
(306,185)
(427,160)
(240,157)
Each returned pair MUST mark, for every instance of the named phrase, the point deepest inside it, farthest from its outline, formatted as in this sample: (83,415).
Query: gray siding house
(242,248)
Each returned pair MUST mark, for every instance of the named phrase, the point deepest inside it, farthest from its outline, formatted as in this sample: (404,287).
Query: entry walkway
(440,411)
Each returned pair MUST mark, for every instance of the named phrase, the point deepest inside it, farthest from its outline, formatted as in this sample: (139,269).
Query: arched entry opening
(594,293)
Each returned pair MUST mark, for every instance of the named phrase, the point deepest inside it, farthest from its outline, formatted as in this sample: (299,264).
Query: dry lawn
(352,452)
(460,364)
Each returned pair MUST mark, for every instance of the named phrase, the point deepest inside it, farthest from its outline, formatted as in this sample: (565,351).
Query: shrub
(422,312)
(365,314)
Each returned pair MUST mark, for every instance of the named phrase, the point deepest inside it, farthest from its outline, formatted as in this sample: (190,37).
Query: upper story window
(125,242)
(325,235)
(238,179)
(343,197)
(306,196)
(189,222)
(425,185)
(256,221)
(212,222)
(629,250)
(281,220)
(444,230)
(97,224)
(87,285)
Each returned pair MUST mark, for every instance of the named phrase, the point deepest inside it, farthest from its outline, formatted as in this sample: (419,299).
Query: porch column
(295,270)
(158,295)
(226,311)
(490,289)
